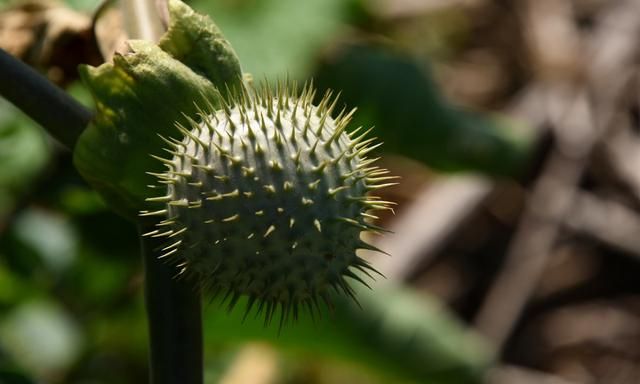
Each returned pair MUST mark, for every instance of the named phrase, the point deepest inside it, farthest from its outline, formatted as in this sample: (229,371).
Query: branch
(447,203)
(57,112)
(506,374)
(175,321)
(606,220)
(581,118)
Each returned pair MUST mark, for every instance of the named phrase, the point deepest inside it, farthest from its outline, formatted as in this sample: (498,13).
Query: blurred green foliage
(395,333)
(71,307)
(398,97)
(24,152)
(274,38)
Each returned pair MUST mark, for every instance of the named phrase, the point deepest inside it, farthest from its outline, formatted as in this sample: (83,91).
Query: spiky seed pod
(267,198)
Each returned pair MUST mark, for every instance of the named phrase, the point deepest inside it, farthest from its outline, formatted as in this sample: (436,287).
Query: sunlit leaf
(274,38)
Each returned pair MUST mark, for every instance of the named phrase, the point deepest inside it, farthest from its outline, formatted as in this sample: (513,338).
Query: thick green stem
(175,322)
(57,112)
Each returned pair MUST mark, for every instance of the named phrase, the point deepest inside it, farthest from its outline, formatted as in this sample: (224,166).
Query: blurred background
(515,127)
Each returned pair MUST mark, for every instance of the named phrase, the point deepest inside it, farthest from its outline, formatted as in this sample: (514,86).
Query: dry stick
(445,203)
(505,374)
(606,220)
(536,235)
(57,112)
(554,191)
(622,155)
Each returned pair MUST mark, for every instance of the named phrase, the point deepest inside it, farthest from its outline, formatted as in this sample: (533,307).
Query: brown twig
(608,221)
(517,375)
(579,117)
(445,203)
(536,235)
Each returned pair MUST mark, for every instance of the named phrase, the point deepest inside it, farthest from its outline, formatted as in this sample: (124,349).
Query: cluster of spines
(267,104)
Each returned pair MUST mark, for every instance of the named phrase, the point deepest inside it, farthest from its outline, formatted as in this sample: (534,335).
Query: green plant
(265,194)
(192,80)
(252,179)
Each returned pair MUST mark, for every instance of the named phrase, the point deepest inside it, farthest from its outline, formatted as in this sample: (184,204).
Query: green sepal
(197,42)
(142,95)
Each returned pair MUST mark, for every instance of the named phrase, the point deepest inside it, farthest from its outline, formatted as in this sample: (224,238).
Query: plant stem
(57,112)
(175,321)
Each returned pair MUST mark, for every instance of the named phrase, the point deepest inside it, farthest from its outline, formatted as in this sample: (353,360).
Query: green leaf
(397,334)
(41,337)
(278,37)
(50,235)
(398,97)
(142,95)
(10,375)
(24,153)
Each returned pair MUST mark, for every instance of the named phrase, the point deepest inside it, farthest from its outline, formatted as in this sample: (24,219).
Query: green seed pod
(267,198)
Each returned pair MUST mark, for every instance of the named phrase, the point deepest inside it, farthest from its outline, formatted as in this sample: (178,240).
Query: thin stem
(175,322)
(142,19)
(57,112)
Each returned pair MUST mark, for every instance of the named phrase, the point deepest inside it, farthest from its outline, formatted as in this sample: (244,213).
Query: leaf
(50,235)
(398,97)
(13,376)
(24,153)
(41,337)
(278,37)
(396,333)
(142,95)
